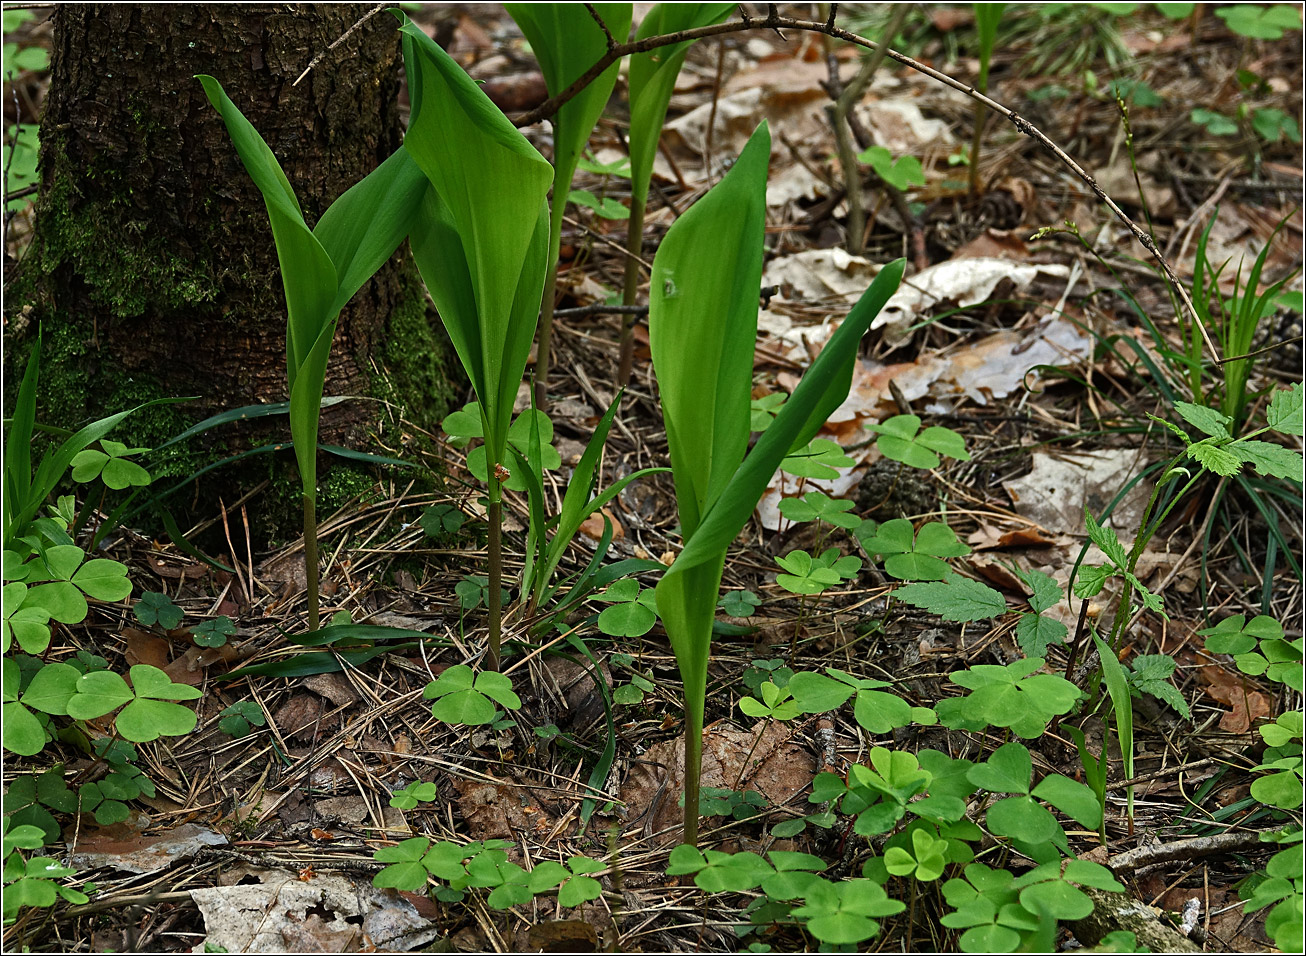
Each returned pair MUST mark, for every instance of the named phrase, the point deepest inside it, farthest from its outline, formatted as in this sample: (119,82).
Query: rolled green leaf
(653,79)
(321,268)
(482,237)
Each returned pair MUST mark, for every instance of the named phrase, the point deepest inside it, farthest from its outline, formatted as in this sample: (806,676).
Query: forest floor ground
(1026,347)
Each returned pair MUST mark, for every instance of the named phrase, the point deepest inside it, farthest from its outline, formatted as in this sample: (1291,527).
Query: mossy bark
(153,272)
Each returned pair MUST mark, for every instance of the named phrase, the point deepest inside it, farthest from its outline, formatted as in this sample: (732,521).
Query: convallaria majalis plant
(704,373)
(321,269)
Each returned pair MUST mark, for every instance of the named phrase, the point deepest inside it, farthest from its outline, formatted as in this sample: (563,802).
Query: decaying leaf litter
(310,795)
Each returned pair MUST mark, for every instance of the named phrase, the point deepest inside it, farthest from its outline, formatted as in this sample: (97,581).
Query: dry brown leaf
(146,648)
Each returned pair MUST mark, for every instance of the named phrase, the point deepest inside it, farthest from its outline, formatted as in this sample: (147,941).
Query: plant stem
(543,358)
(693,769)
(634,243)
(310,560)
(494,600)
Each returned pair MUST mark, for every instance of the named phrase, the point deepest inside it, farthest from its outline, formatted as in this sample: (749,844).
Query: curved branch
(773,21)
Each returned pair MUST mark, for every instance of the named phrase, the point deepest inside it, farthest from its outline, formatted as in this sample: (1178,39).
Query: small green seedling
(239,719)
(215,632)
(410,796)
(901,173)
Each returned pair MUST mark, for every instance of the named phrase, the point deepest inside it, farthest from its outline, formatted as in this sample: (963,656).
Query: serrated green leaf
(1268,459)
(1215,458)
(1285,411)
(955,599)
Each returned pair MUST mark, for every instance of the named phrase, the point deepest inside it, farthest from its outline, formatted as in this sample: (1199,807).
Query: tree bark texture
(153,270)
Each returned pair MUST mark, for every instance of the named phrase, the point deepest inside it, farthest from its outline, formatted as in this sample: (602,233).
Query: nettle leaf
(1269,459)
(1204,419)
(1150,674)
(1285,411)
(1107,540)
(1215,458)
(1035,632)
(955,598)
(1091,580)
(901,439)
(1047,592)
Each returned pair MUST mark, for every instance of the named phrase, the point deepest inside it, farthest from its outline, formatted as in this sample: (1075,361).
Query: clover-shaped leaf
(633,612)
(776,703)
(762,411)
(156,608)
(805,575)
(110,465)
(819,458)
(739,603)
(462,697)
(918,556)
(818,506)
(901,439)
(213,632)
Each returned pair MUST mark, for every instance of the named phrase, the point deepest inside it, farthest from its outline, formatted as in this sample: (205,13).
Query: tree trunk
(153,270)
